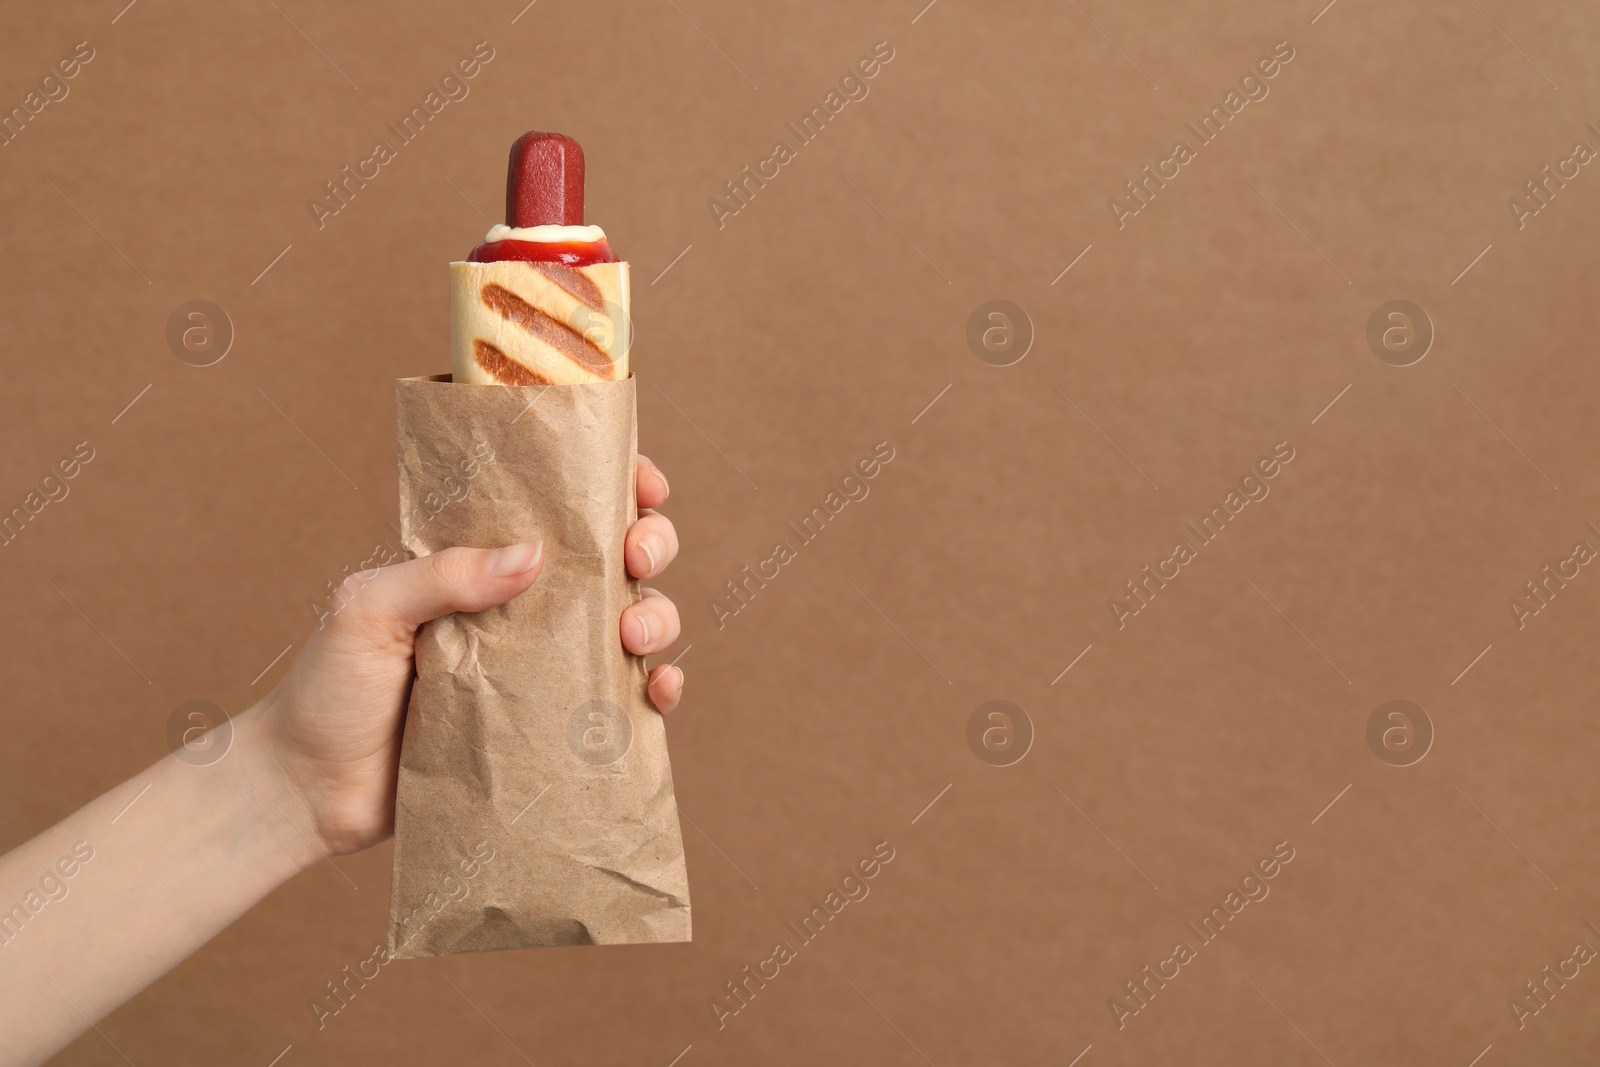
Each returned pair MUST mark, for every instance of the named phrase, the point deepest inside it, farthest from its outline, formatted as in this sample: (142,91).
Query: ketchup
(570,253)
(544,187)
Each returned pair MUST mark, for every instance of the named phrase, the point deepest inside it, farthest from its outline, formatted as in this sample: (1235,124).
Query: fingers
(666,687)
(404,596)
(652,484)
(650,545)
(398,599)
(650,625)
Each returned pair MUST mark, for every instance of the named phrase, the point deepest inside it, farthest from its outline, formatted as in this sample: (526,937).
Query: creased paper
(535,803)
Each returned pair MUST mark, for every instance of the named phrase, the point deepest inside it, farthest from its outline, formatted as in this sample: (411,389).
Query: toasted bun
(519,323)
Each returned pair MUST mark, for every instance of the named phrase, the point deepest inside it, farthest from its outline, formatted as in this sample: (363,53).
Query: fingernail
(650,546)
(646,629)
(514,559)
(679,671)
(667,488)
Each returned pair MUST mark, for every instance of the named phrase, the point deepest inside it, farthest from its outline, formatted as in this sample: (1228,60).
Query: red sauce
(570,253)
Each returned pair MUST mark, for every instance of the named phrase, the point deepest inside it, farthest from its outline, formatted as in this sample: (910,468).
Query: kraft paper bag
(535,802)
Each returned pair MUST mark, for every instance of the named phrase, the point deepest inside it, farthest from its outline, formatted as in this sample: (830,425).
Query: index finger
(652,484)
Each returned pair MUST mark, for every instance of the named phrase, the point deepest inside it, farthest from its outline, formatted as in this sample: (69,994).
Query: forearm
(106,901)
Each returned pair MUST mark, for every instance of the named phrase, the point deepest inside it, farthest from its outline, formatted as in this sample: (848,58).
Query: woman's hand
(331,729)
(311,772)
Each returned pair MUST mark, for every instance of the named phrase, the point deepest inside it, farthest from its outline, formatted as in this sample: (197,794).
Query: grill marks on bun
(553,332)
(502,368)
(577,284)
(563,325)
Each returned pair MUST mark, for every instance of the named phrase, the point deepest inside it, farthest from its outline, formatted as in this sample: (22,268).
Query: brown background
(1222,720)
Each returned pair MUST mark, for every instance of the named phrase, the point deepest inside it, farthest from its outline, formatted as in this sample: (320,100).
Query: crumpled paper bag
(535,803)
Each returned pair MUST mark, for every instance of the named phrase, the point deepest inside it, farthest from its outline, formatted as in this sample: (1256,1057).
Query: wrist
(271,807)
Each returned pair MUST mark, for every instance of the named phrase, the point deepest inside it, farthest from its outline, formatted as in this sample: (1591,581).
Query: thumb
(409,594)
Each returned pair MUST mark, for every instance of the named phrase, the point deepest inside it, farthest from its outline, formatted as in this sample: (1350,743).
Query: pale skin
(179,851)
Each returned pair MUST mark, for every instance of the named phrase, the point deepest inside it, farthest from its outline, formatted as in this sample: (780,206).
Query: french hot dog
(544,300)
